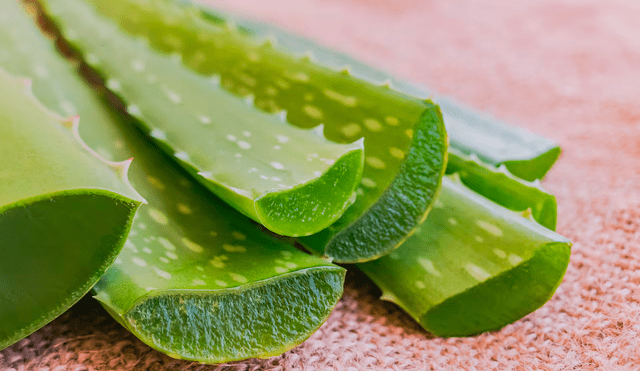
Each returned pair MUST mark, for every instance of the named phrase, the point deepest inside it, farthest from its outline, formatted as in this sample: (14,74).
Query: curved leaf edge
(127,319)
(405,204)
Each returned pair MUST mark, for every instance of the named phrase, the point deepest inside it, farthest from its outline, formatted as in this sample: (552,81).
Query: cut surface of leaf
(295,182)
(525,154)
(196,279)
(500,186)
(64,213)
(235,323)
(404,137)
(472,266)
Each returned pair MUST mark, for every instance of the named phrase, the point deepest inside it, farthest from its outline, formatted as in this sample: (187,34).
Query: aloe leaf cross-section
(472,266)
(404,137)
(293,181)
(196,279)
(64,212)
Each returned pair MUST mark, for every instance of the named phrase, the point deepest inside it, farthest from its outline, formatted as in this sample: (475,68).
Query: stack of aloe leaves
(247,144)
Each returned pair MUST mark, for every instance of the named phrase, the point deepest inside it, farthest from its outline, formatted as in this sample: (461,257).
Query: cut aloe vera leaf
(525,154)
(472,266)
(64,213)
(295,182)
(500,186)
(405,140)
(196,279)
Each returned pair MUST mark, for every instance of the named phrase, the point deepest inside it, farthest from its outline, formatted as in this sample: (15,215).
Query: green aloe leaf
(472,266)
(525,154)
(405,140)
(295,182)
(196,279)
(64,213)
(513,192)
(451,311)
(500,186)
(525,284)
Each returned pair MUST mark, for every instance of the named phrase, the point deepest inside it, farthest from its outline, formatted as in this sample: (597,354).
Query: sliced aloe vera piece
(64,213)
(196,279)
(500,186)
(530,156)
(472,266)
(404,137)
(525,154)
(295,182)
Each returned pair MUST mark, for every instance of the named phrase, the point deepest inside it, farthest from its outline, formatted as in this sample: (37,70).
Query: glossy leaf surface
(404,137)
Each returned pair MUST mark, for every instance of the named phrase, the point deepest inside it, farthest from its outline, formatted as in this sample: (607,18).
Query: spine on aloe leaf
(525,154)
(472,266)
(60,206)
(196,279)
(404,137)
(295,182)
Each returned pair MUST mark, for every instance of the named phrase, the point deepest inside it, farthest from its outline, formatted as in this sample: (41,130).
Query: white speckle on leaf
(476,272)
(429,267)
(139,261)
(490,228)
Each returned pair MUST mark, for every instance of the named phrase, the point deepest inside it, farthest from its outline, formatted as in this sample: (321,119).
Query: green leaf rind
(514,294)
(64,213)
(472,266)
(502,187)
(404,204)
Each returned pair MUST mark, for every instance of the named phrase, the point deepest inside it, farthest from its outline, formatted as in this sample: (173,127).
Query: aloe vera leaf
(64,213)
(472,266)
(525,154)
(536,155)
(405,140)
(196,279)
(295,182)
(505,189)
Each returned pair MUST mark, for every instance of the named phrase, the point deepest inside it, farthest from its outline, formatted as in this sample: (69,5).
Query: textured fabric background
(567,69)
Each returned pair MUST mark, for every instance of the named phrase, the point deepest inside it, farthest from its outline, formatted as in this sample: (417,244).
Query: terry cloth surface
(569,70)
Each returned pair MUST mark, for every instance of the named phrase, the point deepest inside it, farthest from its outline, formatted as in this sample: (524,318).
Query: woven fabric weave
(565,69)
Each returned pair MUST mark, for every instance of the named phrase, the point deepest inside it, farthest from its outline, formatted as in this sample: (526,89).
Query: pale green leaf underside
(404,136)
(525,154)
(186,248)
(472,266)
(293,181)
(56,197)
